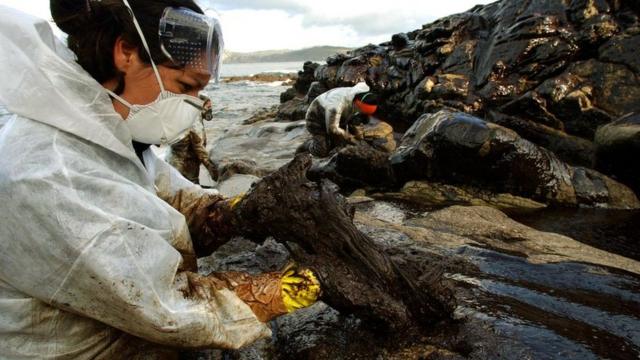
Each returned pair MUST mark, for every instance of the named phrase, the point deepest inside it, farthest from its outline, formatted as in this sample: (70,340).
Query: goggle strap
(144,43)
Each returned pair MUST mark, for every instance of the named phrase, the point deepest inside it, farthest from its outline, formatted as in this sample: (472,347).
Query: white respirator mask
(165,121)
(170,117)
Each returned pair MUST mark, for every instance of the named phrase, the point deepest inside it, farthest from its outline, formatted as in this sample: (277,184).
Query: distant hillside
(318,53)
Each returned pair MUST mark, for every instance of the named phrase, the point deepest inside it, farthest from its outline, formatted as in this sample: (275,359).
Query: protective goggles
(192,40)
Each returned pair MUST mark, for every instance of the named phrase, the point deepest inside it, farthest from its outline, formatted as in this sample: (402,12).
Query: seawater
(267,145)
(237,101)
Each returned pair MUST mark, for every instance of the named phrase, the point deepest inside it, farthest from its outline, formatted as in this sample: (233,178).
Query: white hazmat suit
(327,119)
(91,259)
(334,105)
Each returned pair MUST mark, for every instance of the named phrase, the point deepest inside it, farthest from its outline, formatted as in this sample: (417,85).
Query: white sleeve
(168,179)
(94,243)
(333,116)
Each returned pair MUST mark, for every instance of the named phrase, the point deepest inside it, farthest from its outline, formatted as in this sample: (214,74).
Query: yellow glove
(300,288)
(234,201)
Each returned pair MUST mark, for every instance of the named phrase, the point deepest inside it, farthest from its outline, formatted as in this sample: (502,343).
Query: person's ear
(124,55)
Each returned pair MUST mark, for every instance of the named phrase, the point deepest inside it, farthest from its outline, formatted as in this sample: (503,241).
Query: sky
(255,25)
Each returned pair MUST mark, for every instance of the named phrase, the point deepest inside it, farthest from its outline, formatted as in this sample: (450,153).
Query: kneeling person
(343,116)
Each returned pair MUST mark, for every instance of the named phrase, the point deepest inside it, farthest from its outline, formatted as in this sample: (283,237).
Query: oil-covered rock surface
(457,148)
(511,195)
(553,71)
(563,286)
(519,292)
(618,148)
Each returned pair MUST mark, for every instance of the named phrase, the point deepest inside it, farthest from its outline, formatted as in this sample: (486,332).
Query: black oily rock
(294,109)
(568,65)
(316,89)
(571,149)
(306,77)
(287,95)
(354,167)
(618,150)
(617,50)
(457,148)
(400,41)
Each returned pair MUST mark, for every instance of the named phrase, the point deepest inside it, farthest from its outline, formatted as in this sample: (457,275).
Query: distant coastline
(245,70)
(286,79)
(318,53)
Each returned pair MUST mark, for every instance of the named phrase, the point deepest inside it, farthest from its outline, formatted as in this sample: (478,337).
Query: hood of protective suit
(357,89)
(341,97)
(360,88)
(41,81)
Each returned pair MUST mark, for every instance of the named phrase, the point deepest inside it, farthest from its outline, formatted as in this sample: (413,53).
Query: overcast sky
(252,25)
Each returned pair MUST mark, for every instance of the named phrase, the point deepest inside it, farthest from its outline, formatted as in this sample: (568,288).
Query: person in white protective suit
(188,154)
(344,116)
(98,236)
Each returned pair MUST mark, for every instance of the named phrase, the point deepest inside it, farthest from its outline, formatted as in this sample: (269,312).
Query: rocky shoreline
(539,81)
(512,113)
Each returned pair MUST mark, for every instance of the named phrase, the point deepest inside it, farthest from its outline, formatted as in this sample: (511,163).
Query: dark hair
(94,26)
(368,98)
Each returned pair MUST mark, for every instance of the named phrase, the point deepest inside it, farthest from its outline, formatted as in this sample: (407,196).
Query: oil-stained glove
(272,294)
(220,224)
(300,288)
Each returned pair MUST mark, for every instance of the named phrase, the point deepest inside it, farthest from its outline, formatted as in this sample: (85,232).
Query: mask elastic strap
(144,43)
(119,99)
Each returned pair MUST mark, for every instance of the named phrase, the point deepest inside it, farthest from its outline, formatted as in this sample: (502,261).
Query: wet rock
(316,89)
(243,255)
(582,10)
(611,231)
(287,95)
(439,195)
(292,110)
(380,135)
(337,59)
(460,149)
(508,276)
(400,41)
(571,149)
(356,166)
(569,66)
(618,148)
(444,87)
(318,332)
(230,167)
(306,77)
(326,74)
(357,68)
(262,115)
(553,72)
(522,293)
(617,50)
(263,146)
(352,72)
(591,94)
(497,231)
